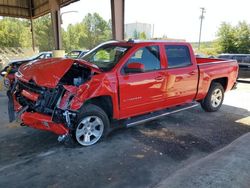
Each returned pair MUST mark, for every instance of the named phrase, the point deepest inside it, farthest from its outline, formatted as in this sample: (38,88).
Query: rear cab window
(178,56)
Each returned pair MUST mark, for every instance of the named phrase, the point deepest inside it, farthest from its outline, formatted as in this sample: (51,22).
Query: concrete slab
(227,167)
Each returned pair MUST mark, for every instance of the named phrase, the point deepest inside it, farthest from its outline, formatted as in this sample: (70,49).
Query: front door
(142,92)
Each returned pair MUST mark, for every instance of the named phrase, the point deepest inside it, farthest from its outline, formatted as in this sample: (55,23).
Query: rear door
(182,75)
(142,92)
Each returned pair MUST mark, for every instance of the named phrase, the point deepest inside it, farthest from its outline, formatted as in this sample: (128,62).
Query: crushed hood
(48,72)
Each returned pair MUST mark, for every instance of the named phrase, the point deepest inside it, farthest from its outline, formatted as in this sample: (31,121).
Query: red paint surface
(17,106)
(71,89)
(30,95)
(11,77)
(136,66)
(43,122)
(64,101)
(39,71)
(209,72)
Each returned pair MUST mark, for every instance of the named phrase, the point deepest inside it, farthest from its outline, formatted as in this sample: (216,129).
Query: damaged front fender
(99,85)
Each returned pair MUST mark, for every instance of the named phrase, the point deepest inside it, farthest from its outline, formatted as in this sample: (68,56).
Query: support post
(56,23)
(32,35)
(117,12)
(31,25)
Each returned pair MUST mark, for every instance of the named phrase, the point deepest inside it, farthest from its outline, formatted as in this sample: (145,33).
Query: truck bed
(211,69)
(201,61)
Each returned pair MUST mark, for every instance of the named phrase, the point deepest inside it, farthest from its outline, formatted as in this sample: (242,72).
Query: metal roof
(28,8)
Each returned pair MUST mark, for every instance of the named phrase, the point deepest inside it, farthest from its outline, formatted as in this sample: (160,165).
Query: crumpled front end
(48,108)
(39,107)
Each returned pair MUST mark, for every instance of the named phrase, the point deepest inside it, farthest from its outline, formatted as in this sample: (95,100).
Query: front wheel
(214,98)
(92,125)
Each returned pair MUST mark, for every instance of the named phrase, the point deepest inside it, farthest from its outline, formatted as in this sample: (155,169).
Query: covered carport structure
(31,9)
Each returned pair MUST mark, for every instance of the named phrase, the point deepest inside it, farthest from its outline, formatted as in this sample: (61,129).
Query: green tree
(227,40)
(234,39)
(242,37)
(87,34)
(135,34)
(14,32)
(73,36)
(96,30)
(143,36)
(44,33)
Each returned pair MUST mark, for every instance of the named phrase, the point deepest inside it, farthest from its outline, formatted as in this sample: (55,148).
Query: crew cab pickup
(117,84)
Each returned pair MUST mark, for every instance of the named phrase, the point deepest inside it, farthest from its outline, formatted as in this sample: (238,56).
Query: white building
(133,29)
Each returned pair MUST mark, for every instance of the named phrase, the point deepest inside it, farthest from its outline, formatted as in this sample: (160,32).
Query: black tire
(208,103)
(96,114)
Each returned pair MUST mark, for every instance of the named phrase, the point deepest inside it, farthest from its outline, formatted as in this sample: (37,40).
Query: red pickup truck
(117,84)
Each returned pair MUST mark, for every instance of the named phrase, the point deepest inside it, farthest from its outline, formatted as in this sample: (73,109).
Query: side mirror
(134,68)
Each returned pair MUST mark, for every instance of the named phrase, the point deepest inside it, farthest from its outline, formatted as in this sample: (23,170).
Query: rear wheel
(214,98)
(92,125)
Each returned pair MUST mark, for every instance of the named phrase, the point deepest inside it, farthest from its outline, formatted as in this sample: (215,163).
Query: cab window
(148,56)
(178,56)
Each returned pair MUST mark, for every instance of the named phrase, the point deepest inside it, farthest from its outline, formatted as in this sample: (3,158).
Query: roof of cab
(133,42)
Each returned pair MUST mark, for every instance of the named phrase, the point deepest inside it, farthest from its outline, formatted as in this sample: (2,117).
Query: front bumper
(42,108)
(43,122)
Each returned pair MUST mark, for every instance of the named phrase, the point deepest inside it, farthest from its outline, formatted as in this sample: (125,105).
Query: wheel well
(222,81)
(104,102)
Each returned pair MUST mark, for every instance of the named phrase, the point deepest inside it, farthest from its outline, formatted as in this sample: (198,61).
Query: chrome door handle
(159,78)
(192,73)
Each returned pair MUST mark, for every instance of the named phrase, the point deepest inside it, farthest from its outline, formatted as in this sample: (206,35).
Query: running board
(154,115)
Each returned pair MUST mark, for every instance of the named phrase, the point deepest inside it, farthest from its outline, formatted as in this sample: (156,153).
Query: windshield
(106,56)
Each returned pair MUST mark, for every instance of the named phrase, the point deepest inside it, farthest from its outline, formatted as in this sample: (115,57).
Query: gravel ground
(141,156)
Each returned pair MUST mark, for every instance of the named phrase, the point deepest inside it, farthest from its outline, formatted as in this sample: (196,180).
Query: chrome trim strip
(216,62)
(164,114)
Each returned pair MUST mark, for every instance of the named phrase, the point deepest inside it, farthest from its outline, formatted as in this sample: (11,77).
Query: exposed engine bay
(50,101)
(76,75)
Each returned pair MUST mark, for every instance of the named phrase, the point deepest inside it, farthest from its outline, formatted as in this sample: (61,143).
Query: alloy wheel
(89,130)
